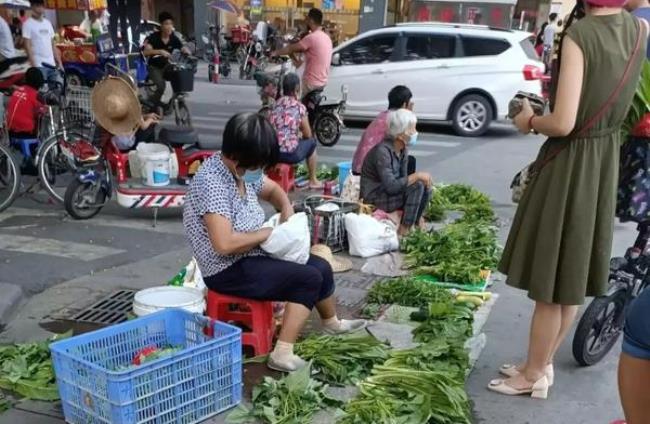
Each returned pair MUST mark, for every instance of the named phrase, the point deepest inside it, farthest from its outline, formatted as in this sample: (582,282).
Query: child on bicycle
(25,107)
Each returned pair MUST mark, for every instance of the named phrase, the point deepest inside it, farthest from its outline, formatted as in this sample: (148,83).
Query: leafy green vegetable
(26,369)
(456,254)
(407,291)
(451,322)
(436,355)
(641,102)
(476,206)
(370,311)
(293,399)
(4,404)
(342,359)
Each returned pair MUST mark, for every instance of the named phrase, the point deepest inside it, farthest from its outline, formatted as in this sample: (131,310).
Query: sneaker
(81,151)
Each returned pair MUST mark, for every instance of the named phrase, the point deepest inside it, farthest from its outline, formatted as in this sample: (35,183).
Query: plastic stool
(283,174)
(256,315)
(25,144)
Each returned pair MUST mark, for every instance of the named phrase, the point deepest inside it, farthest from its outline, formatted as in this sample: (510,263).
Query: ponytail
(577,13)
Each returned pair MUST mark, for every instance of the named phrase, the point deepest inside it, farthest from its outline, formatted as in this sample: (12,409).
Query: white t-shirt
(549,35)
(7,49)
(41,34)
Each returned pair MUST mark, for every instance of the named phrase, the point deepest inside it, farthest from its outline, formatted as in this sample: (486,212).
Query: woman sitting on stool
(223,222)
(289,117)
(385,181)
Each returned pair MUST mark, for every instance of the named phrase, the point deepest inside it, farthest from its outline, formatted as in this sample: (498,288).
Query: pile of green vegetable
(341,360)
(476,206)
(458,253)
(420,385)
(407,291)
(293,399)
(26,369)
(451,322)
(324,172)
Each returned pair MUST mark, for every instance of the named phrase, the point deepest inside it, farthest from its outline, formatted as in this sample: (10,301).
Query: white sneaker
(348,326)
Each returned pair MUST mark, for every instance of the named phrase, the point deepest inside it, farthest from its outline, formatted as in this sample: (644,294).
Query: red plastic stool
(283,174)
(256,315)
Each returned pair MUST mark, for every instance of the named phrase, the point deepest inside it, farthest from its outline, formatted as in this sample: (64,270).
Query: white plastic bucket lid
(156,298)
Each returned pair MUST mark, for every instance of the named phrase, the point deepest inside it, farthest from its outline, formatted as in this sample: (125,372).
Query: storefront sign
(76,4)
(256,7)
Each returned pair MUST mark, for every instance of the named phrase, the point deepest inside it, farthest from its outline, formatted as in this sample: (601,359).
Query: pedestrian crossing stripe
(65,249)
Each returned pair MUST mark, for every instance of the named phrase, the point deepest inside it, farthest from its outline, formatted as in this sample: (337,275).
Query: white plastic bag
(193,277)
(368,237)
(289,241)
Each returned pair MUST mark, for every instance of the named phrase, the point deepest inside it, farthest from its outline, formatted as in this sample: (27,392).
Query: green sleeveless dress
(559,245)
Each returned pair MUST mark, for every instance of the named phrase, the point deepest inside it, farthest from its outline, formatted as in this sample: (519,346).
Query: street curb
(11,296)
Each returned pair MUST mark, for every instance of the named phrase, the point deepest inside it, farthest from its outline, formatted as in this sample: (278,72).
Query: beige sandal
(539,389)
(510,370)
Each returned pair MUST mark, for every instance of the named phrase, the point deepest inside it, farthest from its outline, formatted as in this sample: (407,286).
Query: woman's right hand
(266,233)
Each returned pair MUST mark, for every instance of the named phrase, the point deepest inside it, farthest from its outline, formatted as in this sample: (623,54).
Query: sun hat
(116,106)
(337,264)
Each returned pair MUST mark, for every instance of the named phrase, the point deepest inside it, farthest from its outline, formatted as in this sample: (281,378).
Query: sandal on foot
(510,370)
(539,389)
(289,364)
(348,326)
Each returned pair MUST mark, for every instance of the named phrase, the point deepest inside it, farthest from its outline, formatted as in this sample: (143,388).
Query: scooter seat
(212,144)
(178,136)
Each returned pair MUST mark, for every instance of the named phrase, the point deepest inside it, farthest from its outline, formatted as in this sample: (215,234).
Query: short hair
(399,121)
(552,17)
(15,21)
(398,96)
(250,139)
(34,78)
(165,16)
(21,12)
(290,84)
(33,3)
(315,15)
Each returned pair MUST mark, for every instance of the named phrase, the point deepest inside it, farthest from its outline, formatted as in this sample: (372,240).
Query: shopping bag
(289,241)
(369,237)
(351,188)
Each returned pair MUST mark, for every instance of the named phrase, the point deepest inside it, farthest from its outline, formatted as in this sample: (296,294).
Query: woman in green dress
(559,245)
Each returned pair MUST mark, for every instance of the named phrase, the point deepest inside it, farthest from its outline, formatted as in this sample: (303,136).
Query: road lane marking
(50,247)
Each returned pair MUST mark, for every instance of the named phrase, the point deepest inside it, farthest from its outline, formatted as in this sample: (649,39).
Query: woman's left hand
(522,120)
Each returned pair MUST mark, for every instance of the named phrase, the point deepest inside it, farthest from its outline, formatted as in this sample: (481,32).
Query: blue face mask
(413,140)
(251,177)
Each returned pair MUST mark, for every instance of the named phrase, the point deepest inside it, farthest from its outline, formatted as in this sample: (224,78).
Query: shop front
(497,13)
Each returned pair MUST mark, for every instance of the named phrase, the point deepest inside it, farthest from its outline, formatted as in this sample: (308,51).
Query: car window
(528,45)
(374,49)
(477,46)
(429,46)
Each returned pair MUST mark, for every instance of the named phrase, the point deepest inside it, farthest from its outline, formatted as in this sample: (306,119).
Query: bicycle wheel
(56,166)
(9,177)
(182,112)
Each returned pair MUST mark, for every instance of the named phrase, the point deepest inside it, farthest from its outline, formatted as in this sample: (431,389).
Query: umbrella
(223,5)
(19,4)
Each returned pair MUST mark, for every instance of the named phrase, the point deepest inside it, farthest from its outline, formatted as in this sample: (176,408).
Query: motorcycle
(256,59)
(324,118)
(215,55)
(180,72)
(603,321)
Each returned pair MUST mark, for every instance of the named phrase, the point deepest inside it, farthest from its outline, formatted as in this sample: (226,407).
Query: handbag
(524,177)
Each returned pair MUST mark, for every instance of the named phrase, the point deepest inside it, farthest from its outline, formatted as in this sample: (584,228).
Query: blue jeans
(636,341)
(51,76)
(303,151)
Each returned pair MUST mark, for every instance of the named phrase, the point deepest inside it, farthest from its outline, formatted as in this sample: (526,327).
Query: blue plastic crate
(203,379)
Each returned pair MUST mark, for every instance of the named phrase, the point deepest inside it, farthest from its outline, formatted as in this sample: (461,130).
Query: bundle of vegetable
(451,322)
(407,395)
(342,360)
(292,400)
(456,254)
(407,291)
(436,355)
(4,403)
(460,197)
(26,369)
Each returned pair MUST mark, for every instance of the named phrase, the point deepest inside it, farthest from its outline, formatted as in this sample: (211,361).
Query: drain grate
(112,309)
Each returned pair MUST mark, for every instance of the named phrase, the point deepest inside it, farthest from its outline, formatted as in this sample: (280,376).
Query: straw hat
(116,106)
(337,264)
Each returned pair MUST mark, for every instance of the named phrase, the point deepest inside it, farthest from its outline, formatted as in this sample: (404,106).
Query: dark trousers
(304,150)
(265,278)
(416,200)
(123,13)
(157,76)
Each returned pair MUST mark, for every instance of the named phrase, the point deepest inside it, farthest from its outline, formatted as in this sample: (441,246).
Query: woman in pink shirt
(399,97)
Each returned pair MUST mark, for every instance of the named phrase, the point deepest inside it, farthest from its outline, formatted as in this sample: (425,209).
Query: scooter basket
(182,80)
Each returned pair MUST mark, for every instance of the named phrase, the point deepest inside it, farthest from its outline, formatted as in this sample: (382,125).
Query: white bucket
(155,299)
(155,163)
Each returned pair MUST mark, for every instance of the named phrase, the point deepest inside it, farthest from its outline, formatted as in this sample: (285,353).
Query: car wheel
(472,115)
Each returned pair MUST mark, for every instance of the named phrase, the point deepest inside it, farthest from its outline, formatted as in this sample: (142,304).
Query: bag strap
(607,104)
